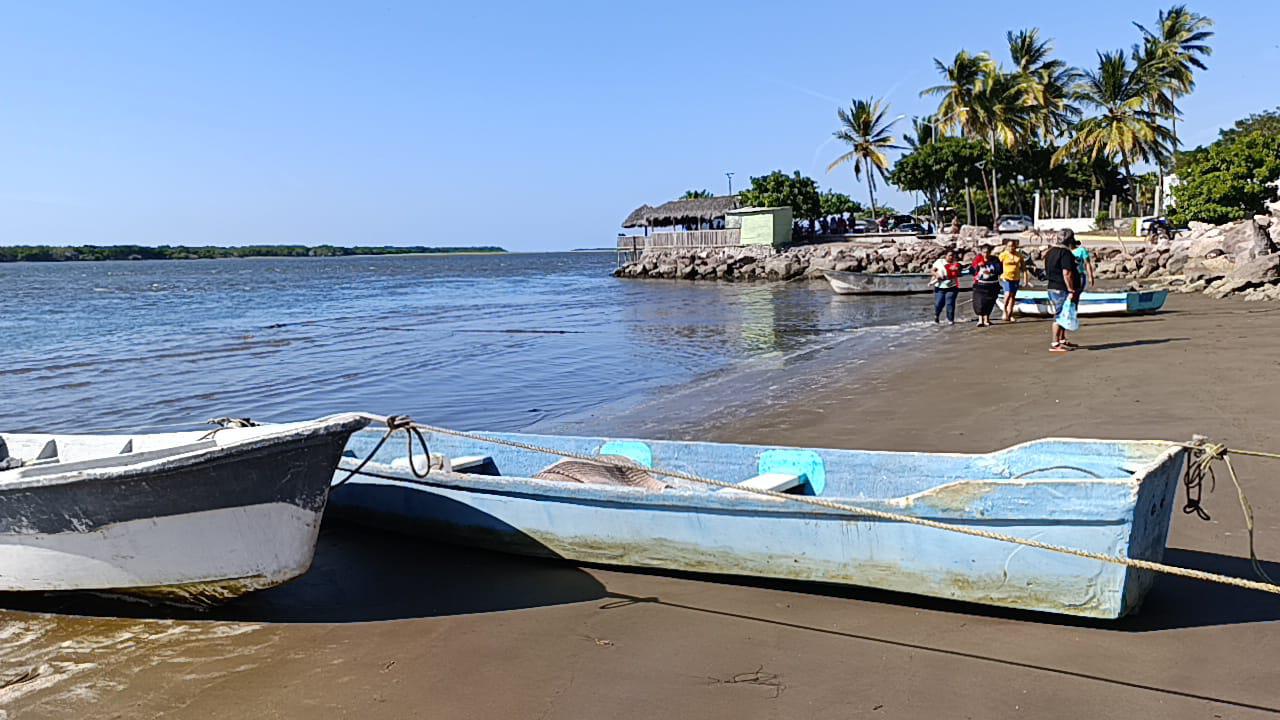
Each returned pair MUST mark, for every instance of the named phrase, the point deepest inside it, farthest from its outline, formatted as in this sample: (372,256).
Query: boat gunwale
(690,499)
(272,435)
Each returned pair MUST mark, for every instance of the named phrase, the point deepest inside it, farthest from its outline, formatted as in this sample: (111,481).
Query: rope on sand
(1207,454)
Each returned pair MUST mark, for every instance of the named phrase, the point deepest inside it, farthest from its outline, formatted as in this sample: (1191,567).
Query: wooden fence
(632,247)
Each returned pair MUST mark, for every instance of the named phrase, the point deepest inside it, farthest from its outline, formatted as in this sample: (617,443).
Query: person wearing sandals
(946,286)
(1014,265)
(986,284)
(1062,276)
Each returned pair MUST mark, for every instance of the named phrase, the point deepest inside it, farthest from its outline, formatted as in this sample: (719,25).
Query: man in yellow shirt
(1015,266)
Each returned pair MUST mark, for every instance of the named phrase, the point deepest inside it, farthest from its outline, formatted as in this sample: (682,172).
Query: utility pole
(730,176)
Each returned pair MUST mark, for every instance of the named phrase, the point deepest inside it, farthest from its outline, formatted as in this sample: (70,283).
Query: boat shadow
(361,575)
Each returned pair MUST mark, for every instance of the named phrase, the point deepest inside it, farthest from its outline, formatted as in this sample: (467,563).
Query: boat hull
(1036,303)
(199,530)
(856,283)
(737,534)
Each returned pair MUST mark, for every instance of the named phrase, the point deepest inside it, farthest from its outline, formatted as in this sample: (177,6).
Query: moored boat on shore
(1112,497)
(858,283)
(1036,303)
(190,517)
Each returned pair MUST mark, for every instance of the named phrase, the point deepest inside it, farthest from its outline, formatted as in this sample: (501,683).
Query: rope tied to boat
(1135,563)
(394,423)
(1200,465)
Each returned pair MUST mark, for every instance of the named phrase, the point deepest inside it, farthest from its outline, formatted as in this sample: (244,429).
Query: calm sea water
(503,342)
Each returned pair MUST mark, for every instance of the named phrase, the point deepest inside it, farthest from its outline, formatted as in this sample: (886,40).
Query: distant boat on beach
(857,283)
(190,517)
(1035,303)
(1107,496)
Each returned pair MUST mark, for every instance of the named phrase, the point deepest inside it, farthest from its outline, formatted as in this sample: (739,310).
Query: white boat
(1036,303)
(191,517)
(857,283)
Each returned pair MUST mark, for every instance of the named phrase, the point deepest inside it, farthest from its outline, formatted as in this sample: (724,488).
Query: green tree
(1228,179)
(940,169)
(1265,122)
(695,194)
(1125,129)
(837,203)
(864,129)
(778,189)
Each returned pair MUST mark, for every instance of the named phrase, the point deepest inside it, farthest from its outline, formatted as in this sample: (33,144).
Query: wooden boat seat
(777,482)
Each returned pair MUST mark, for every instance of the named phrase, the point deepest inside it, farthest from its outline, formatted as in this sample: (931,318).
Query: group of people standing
(1068,268)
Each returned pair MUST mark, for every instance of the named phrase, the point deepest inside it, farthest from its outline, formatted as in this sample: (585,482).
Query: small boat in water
(857,283)
(1036,303)
(1107,496)
(189,517)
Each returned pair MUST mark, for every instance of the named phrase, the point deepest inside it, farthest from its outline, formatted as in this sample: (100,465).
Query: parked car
(910,227)
(1014,223)
(863,226)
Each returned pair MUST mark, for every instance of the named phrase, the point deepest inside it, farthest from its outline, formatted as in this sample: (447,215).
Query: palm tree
(863,127)
(963,76)
(1169,55)
(924,130)
(1125,129)
(695,195)
(1000,114)
(1047,83)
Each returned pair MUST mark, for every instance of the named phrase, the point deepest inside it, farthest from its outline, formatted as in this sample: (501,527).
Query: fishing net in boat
(616,470)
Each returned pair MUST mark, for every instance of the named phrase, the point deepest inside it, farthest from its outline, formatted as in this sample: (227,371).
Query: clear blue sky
(530,125)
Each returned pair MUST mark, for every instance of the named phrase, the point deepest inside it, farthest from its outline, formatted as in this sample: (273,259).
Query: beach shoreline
(386,627)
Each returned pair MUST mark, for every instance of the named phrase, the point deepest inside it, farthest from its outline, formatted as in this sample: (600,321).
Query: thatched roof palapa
(637,217)
(679,212)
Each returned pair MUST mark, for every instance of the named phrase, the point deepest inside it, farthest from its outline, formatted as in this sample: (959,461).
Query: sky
(534,126)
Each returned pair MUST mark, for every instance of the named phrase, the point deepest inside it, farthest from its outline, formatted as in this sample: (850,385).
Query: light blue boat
(1036,303)
(1106,496)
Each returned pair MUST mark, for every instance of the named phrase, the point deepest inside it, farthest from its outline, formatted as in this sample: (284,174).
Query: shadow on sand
(1132,343)
(361,575)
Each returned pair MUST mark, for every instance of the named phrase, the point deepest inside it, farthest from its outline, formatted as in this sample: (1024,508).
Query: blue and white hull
(1045,490)
(1036,303)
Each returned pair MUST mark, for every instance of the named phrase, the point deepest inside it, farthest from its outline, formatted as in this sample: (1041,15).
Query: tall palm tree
(1046,82)
(963,76)
(1000,115)
(1170,54)
(864,128)
(1125,129)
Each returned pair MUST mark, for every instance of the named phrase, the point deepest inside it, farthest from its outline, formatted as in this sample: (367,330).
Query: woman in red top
(946,286)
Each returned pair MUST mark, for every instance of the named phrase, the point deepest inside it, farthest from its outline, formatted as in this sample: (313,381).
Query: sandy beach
(392,627)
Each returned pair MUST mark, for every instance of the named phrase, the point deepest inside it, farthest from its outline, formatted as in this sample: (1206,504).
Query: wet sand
(392,627)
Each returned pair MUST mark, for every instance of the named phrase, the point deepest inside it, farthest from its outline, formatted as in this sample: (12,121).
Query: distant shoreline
(105,253)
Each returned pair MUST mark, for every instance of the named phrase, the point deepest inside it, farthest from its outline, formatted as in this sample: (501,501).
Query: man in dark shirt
(1062,275)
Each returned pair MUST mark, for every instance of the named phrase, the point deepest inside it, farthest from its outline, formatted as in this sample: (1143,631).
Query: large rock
(1260,271)
(1241,241)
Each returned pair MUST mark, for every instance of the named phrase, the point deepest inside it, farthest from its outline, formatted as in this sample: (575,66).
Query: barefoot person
(946,286)
(1062,275)
(1015,266)
(986,284)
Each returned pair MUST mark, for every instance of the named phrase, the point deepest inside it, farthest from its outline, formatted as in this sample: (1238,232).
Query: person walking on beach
(946,286)
(1014,265)
(986,284)
(1084,260)
(1062,275)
